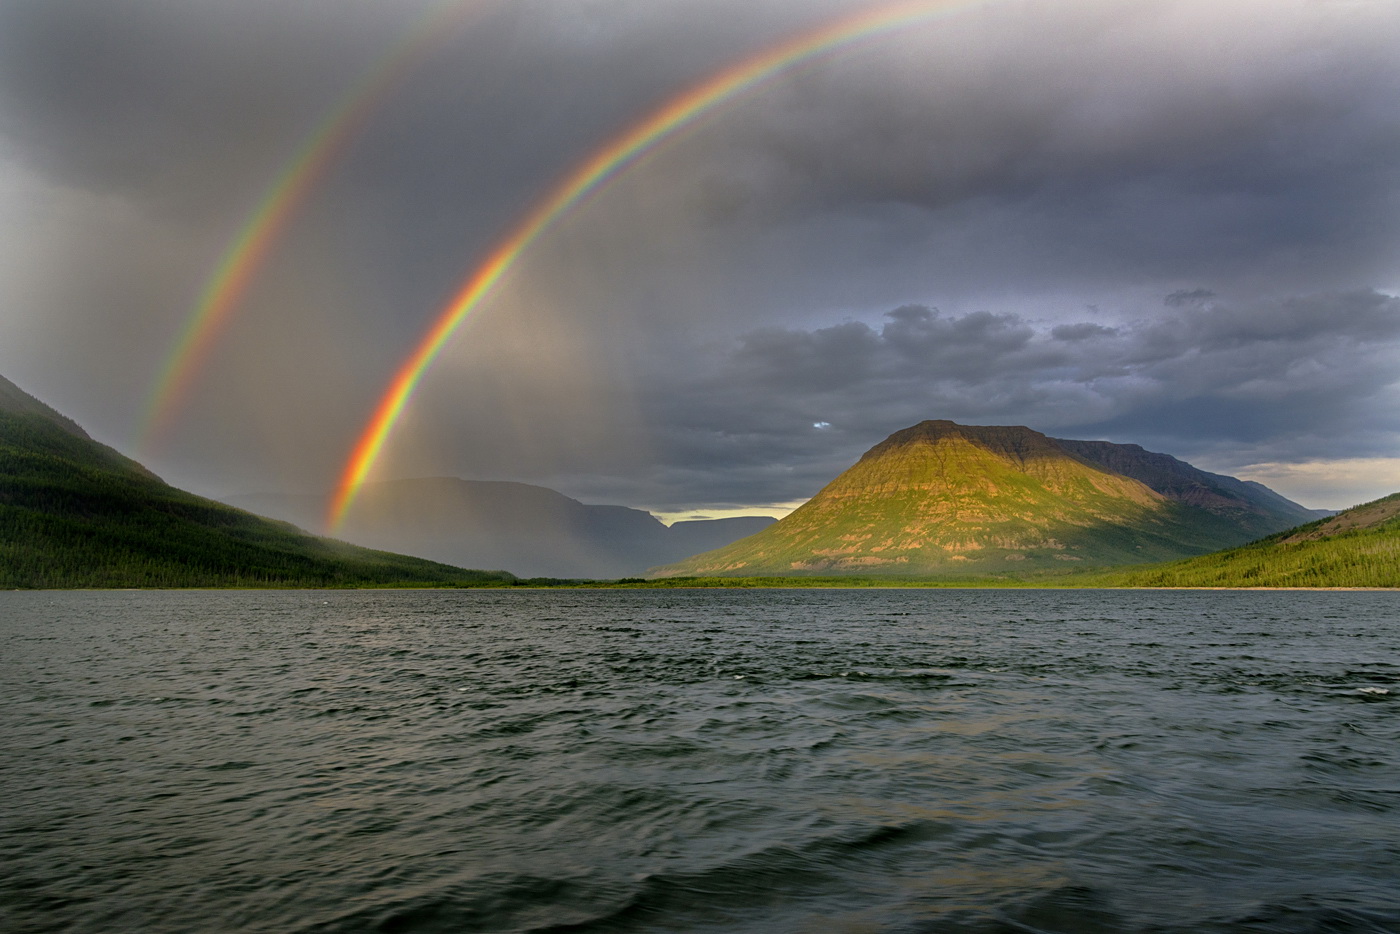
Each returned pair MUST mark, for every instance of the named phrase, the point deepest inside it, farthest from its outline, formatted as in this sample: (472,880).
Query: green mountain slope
(941,499)
(75,513)
(1356,548)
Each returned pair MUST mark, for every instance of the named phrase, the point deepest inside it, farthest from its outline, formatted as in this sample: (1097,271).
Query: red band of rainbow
(245,255)
(621,151)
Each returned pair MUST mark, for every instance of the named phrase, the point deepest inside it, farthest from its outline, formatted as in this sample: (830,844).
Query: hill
(941,499)
(76,513)
(533,530)
(1359,547)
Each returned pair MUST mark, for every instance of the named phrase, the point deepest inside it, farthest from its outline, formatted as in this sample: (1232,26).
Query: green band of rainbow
(622,150)
(263,227)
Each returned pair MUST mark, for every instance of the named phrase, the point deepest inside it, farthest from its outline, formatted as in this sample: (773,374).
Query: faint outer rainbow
(619,152)
(245,255)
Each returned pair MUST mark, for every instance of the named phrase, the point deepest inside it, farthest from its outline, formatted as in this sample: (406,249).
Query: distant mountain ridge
(936,499)
(76,513)
(533,530)
(943,499)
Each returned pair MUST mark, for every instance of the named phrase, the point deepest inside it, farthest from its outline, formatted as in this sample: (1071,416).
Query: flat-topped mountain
(533,530)
(76,513)
(942,499)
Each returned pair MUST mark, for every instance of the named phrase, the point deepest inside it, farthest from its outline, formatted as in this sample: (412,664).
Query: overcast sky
(1174,223)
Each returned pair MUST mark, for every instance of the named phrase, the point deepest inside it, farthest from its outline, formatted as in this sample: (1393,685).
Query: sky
(1173,223)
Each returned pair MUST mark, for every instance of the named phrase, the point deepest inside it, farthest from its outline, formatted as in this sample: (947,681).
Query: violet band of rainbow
(246,254)
(623,150)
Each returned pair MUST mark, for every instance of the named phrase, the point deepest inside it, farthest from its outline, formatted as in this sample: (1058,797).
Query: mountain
(1252,506)
(76,513)
(17,402)
(533,530)
(1359,547)
(942,499)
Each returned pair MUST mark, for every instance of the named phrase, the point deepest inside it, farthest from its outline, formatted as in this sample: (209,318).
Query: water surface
(716,761)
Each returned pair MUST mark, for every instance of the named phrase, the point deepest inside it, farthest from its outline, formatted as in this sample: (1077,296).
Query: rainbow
(262,228)
(625,149)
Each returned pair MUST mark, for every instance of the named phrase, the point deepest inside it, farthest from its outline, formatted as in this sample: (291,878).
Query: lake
(712,761)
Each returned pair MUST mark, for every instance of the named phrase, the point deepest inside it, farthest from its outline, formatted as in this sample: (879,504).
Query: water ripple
(753,761)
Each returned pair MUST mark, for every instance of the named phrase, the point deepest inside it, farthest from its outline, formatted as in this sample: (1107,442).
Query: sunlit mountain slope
(1356,548)
(941,499)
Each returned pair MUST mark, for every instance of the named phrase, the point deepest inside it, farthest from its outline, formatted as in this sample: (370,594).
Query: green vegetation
(1357,548)
(938,505)
(941,500)
(75,513)
(786,581)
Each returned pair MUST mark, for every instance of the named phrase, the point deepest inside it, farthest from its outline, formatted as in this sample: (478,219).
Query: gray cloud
(1011,163)
(1188,297)
(1263,158)
(1314,376)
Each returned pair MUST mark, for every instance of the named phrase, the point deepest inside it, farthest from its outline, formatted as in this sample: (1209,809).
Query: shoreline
(605,585)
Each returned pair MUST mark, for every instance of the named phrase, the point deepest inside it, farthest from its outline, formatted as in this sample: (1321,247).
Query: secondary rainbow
(623,150)
(245,255)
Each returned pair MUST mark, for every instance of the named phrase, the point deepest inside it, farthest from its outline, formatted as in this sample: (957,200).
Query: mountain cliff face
(532,530)
(946,499)
(1252,506)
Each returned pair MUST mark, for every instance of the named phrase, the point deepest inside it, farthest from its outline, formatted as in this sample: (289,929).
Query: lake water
(742,761)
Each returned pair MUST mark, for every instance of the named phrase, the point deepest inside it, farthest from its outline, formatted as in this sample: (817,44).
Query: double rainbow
(623,150)
(269,218)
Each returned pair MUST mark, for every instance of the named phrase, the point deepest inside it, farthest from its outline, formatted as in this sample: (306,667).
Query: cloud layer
(1045,173)
(1314,378)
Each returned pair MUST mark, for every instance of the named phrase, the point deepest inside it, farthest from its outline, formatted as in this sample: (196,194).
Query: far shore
(737,584)
(907,585)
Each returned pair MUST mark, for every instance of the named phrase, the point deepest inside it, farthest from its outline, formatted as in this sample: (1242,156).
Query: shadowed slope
(75,513)
(16,401)
(1253,506)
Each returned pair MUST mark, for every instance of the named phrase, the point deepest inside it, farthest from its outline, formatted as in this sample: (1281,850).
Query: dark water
(765,761)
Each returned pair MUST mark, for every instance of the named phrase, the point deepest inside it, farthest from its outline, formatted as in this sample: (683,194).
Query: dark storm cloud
(914,341)
(1094,148)
(1188,297)
(1007,162)
(158,100)
(1314,376)
(137,136)
(125,92)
